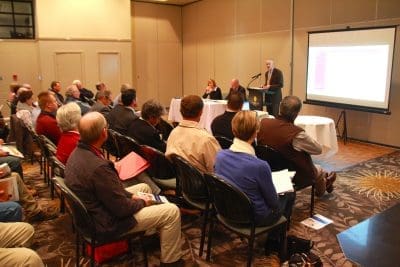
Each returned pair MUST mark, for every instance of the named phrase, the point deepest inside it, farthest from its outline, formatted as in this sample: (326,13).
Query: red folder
(130,166)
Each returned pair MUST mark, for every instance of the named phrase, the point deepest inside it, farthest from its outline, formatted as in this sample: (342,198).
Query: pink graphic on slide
(319,77)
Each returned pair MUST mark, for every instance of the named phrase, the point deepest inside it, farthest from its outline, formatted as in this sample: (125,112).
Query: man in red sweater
(46,123)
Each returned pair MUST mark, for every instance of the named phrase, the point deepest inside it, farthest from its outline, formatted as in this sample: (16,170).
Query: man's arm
(114,197)
(303,142)
(211,148)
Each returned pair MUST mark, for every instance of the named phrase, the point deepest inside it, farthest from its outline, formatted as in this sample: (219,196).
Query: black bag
(298,245)
(305,260)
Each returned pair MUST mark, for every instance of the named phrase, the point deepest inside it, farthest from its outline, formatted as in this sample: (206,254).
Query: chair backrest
(19,134)
(127,144)
(190,180)
(50,146)
(111,145)
(229,202)
(160,166)
(80,215)
(224,142)
(57,167)
(45,147)
(275,159)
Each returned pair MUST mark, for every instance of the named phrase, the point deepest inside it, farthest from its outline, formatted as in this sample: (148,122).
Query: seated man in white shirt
(190,141)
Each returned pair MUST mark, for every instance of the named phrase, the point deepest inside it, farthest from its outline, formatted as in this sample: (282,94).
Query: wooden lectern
(257,98)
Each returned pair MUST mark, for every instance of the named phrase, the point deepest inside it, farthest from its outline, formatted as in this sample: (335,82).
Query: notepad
(317,221)
(157,199)
(282,181)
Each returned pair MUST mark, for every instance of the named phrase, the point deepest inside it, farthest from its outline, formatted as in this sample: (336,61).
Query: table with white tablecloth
(321,129)
(212,108)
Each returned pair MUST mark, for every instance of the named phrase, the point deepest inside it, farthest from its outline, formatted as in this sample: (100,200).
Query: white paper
(155,198)
(317,221)
(283,181)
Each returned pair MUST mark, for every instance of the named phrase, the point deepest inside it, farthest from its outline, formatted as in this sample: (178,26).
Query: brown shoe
(329,182)
(43,216)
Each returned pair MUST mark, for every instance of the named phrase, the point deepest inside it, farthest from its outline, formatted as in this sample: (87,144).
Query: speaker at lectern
(257,97)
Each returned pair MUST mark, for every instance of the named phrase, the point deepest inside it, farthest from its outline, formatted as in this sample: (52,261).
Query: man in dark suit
(120,117)
(103,102)
(143,129)
(274,83)
(236,87)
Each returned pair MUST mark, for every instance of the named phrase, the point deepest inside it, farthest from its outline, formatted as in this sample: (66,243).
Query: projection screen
(351,69)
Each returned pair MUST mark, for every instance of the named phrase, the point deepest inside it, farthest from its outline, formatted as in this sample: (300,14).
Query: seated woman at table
(296,146)
(212,91)
(239,166)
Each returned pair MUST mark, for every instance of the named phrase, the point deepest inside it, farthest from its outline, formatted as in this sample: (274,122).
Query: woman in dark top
(212,91)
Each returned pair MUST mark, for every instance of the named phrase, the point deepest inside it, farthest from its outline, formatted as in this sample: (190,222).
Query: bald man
(236,87)
(116,210)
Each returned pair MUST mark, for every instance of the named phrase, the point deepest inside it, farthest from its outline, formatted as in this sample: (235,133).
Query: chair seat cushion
(165,183)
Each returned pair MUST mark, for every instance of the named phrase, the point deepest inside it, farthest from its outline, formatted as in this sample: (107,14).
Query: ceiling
(169,2)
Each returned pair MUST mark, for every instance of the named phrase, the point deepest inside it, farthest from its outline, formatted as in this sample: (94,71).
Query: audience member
(73,95)
(33,211)
(117,100)
(240,167)
(121,116)
(103,102)
(55,87)
(85,95)
(190,141)
(114,209)
(100,86)
(221,125)
(143,129)
(46,123)
(236,87)
(10,211)
(25,107)
(68,117)
(12,97)
(14,238)
(13,162)
(296,146)
(212,90)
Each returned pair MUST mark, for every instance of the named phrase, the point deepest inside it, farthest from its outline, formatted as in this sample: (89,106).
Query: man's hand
(147,199)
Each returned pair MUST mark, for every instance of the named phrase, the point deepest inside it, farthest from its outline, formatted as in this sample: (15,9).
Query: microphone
(256,76)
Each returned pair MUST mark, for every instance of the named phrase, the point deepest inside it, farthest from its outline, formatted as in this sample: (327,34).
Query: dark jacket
(95,181)
(241,91)
(120,117)
(146,134)
(279,134)
(216,95)
(221,125)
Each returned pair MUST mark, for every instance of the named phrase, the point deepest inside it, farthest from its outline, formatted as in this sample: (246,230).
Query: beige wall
(156,51)
(232,38)
(88,19)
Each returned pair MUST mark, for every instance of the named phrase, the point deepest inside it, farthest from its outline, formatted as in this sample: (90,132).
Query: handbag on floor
(298,245)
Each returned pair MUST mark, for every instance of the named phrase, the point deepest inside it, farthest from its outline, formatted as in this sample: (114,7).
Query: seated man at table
(296,146)
(116,210)
(221,125)
(190,141)
(236,87)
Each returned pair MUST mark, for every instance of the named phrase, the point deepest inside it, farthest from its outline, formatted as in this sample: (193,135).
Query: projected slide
(351,67)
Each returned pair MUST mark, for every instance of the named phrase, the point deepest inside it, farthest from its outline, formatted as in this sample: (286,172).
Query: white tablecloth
(212,108)
(321,129)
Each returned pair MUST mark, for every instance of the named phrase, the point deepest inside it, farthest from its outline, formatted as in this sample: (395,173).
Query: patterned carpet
(360,192)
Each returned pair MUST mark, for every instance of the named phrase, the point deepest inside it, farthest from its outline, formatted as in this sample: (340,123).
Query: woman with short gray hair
(68,117)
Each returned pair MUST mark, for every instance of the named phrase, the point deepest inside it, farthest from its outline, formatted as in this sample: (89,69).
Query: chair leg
(203,232)
(62,204)
(92,261)
(250,250)
(210,231)
(144,252)
(77,249)
(312,200)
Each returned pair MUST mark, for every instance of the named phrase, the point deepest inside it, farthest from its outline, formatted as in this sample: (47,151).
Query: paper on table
(283,181)
(317,221)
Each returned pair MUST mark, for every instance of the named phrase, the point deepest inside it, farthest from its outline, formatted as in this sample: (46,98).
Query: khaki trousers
(13,236)
(166,219)
(27,201)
